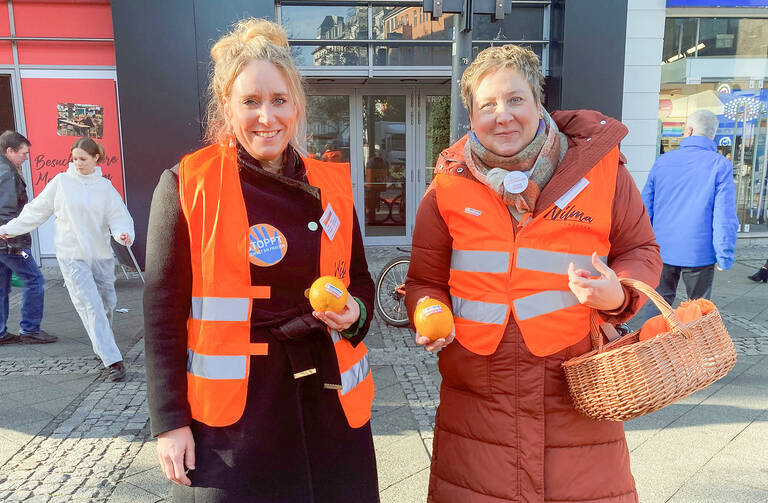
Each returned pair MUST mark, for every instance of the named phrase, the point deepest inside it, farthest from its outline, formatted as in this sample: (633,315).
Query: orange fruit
(328,293)
(433,319)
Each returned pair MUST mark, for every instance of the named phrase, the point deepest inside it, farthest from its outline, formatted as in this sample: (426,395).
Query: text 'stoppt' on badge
(266,245)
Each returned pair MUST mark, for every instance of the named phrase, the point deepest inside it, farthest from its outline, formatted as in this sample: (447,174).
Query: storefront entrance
(391,136)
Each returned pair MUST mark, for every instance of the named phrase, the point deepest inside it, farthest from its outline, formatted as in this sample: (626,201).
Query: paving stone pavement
(78,438)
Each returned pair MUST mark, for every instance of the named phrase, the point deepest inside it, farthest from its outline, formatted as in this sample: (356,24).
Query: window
(342,34)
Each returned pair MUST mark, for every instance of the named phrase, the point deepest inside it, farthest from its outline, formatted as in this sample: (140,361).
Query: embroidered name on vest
(568,214)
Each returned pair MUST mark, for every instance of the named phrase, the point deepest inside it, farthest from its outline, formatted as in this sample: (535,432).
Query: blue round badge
(266,245)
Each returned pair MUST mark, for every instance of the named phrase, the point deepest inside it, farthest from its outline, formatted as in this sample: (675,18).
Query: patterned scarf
(537,161)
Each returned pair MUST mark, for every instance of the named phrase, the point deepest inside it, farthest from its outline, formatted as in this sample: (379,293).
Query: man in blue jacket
(691,200)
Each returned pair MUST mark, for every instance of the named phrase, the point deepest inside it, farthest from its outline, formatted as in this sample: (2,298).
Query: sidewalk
(67,435)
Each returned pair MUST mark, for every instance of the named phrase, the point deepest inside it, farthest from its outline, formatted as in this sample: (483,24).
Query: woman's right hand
(437,343)
(176,452)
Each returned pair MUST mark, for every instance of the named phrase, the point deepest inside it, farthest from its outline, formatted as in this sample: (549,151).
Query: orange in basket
(687,312)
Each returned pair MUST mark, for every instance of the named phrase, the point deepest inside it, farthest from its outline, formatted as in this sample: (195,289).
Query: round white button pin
(312,226)
(515,182)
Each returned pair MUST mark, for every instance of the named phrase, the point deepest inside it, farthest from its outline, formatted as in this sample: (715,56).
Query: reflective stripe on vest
(356,374)
(543,303)
(220,308)
(554,262)
(532,285)
(479,261)
(216,366)
(479,311)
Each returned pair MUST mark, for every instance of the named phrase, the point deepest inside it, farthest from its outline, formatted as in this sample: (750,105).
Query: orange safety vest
(219,327)
(496,272)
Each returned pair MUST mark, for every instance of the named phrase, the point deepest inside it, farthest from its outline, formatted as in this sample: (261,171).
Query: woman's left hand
(343,320)
(125,238)
(604,293)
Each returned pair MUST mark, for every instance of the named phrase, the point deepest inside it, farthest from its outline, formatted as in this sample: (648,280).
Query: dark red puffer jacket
(506,429)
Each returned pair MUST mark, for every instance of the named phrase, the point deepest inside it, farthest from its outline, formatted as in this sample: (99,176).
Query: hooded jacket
(87,209)
(506,430)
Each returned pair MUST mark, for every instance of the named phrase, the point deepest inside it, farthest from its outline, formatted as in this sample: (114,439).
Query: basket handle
(673,322)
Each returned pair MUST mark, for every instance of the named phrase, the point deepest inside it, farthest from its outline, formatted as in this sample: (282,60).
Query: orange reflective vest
(496,271)
(219,327)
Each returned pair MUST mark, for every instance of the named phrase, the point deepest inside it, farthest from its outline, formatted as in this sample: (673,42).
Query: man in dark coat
(15,253)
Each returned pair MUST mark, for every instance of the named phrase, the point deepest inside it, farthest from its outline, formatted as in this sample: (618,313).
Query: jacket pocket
(464,370)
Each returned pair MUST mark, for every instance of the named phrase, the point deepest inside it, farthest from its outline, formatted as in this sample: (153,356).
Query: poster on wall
(58,111)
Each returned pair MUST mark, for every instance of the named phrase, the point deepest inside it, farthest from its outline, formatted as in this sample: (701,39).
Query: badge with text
(266,245)
(330,222)
(515,182)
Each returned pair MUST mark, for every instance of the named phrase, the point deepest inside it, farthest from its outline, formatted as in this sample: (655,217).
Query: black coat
(293,442)
(13,197)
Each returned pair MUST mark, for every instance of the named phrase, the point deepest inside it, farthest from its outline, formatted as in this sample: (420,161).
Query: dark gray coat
(13,197)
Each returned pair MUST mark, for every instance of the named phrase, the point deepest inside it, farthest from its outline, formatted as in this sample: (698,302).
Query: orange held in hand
(328,293)
(433,319)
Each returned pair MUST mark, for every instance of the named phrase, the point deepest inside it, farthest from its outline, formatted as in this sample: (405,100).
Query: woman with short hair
(253,396)
(528,224)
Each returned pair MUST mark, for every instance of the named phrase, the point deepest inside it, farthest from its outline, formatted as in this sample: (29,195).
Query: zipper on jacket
(85,221)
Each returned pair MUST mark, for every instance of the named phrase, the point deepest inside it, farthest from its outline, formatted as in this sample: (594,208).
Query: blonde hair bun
(252,28)
(243,32)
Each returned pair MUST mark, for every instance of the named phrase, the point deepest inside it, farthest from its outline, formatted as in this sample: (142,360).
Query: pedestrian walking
(529,223)
(15,253)
(691,200)
(252,395)
(87,208)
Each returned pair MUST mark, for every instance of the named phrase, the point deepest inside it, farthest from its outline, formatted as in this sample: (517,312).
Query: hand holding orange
(433,319)
(328,293)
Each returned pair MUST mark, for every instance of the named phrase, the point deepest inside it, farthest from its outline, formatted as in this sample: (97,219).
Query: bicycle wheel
(390,292)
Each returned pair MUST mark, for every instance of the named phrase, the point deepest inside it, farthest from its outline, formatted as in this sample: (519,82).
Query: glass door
(391,141)
(387,162)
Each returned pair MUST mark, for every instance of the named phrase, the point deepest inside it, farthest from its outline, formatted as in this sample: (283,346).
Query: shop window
(330,55)
(718,64)
(326,22)
(537,48)
(6,104)
(679,36)
(525,24)
(421,29)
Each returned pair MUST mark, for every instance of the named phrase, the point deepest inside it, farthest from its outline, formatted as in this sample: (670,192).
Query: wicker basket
(626,378)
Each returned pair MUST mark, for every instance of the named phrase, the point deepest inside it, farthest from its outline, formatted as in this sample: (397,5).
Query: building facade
(134,73)
(715,57)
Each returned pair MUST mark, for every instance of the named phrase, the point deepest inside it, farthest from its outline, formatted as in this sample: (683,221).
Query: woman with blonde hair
(252,395)
(529,223)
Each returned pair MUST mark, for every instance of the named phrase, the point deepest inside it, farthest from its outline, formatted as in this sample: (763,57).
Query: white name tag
(330,222)
(572,192)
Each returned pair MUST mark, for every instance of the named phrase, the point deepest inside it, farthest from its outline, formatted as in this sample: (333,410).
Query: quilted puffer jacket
(506,430)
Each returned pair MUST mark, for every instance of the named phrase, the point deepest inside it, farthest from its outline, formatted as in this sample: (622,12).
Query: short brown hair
(251,39)
(92,147)
(493,59)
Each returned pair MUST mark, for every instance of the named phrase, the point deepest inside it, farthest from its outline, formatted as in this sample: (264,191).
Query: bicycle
(390,290)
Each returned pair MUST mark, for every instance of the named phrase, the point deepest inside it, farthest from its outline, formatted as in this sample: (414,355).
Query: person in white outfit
(87,209)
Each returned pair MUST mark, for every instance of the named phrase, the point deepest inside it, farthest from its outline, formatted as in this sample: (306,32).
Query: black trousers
(697,280)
